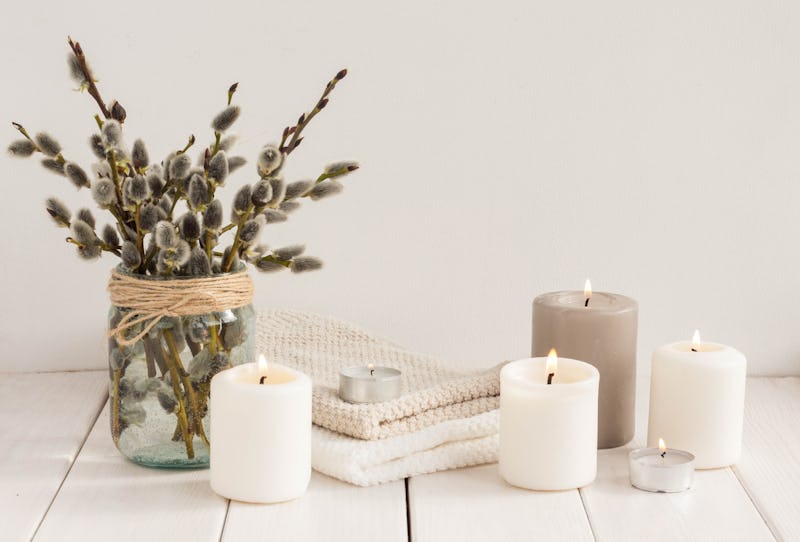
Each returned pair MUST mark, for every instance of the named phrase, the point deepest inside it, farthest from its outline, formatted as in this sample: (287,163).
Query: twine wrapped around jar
(153,300)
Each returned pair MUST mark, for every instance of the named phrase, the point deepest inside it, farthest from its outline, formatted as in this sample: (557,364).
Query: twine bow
(153,300)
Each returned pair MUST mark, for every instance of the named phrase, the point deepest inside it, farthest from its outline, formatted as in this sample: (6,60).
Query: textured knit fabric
(320,347)
(447,445)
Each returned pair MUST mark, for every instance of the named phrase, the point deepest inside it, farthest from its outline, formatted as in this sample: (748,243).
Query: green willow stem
(237,241)
(209,248)
(98,243)
(21,129)
(187,386)
(177,433)
(183,422)
(188,145)
(115,430)
(205,391)
(139,237)
(150,358)
(273,259)
(174,203)
(123,230)
(214,342)
(198,422)
(150,255)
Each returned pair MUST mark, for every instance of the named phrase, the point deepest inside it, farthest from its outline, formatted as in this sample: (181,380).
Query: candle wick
(663,454)
(550,378)
(262,379)
(694,349)
(372,372)
(586,304)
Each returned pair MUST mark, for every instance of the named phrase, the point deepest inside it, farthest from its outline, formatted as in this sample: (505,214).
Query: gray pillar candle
(603,333)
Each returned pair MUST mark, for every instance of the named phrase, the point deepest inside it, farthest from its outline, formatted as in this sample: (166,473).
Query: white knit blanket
(447,445)
(444,419)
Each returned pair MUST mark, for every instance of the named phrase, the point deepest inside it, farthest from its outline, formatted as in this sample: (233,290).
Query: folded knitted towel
(320,347)
(447,445)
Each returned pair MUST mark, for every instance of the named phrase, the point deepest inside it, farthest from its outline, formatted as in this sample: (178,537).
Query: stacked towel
(443,419)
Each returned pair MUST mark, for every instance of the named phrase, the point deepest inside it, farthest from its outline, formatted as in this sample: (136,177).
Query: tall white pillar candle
(697,400)
(261,433)
(548,432)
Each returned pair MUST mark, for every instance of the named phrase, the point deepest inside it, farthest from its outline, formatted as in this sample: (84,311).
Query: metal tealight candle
(661,470)
(369,384)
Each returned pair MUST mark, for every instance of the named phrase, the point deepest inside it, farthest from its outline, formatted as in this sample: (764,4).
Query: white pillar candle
(548,432)
(697,400)
(260,433)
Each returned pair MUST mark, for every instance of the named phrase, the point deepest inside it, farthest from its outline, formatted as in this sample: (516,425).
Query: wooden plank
(330,510)
(44,420)
(716,508)
(770,464)
(106,497)
(476,504)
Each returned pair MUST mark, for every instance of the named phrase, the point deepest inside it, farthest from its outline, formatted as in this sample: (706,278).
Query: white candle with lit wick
(587,292)
(548,423)
(260,433)
(697,400)
(661,469)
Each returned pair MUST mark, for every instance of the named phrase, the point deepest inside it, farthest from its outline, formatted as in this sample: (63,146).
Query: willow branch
(304,119)
(89,78)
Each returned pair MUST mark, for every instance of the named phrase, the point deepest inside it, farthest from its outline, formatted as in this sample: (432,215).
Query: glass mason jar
(159,385)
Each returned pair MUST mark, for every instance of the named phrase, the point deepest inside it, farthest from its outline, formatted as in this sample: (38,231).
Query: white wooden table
(62,479)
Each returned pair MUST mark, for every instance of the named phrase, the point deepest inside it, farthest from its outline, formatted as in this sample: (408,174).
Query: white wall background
(508,148)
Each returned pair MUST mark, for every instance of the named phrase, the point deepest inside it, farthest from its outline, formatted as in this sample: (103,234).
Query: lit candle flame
(370,366)
(696,340)
(661,446)
(552,362)
(261,367)
(587,289)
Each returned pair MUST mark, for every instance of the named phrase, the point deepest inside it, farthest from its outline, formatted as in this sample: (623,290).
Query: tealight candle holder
(369,384)
(661,470)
